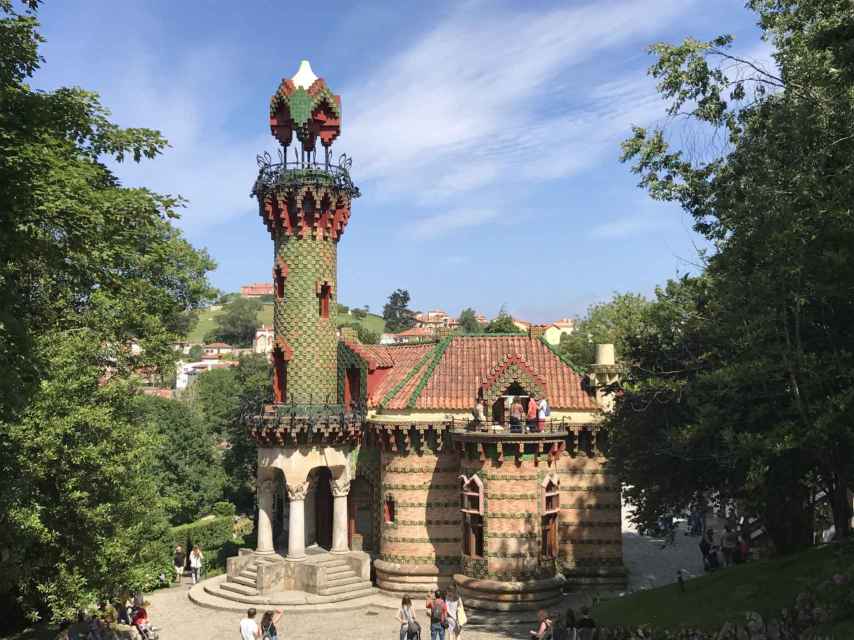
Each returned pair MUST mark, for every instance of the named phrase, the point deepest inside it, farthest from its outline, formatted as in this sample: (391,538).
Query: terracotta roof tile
(376,356)
(469,362)
(405,357)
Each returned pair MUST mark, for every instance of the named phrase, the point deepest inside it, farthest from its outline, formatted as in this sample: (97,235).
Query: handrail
(550,425)
(302,171)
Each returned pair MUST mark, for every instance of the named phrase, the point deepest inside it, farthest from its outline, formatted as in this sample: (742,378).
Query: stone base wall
(494,595)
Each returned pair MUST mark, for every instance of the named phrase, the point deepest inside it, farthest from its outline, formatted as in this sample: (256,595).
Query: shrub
(224,509)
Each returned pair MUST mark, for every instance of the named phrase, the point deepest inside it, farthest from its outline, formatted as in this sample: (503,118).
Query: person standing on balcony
(532,414)
(516,414)
(543,412)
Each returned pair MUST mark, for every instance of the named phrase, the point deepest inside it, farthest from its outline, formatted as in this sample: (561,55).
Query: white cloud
(440,224)
(490,97)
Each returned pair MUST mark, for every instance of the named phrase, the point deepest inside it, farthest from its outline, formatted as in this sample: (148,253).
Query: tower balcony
(503,431)
(290,174)
(292,424)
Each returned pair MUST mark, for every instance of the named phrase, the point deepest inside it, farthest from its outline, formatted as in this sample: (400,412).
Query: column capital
(340,487)
(298,491)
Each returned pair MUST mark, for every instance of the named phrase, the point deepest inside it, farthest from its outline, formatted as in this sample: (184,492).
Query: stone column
(266,491)
(296,521)
(340,489)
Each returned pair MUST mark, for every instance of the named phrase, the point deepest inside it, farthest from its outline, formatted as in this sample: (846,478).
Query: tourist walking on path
(438,612)
(456,614)
(543,412)
(409,627)
(729,544)
(249,629)
(196,560)
(179,560)
(545,630)
(532,414)
(268,624)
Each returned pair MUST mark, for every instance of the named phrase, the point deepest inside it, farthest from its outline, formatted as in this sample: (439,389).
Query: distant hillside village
(200,355)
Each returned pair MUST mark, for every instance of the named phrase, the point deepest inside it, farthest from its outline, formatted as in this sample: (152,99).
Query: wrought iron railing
(287,173)
(549,426)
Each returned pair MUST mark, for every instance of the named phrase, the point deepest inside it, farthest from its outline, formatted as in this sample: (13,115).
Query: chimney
(605,354)
(536,331)
(349,334)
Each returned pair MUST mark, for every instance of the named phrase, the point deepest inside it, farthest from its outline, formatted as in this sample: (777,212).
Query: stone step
(340,582)
(248,574)
(207,594)
(244,580)
(334,571)
(348,589)
(239,588)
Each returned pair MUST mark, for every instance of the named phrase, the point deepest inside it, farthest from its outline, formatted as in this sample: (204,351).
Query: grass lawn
(764,586)
(207,320)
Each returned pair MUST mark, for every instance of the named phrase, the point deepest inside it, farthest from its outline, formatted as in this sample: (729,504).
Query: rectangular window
(279,282)
(473,535)
(549,533)
(280,375)
(325,295)
(388,509)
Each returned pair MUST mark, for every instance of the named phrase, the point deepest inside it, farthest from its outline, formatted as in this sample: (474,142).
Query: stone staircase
(334,580)
(341,581)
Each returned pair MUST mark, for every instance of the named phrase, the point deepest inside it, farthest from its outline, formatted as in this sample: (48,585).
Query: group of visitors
(445,612)
(267,630)
(532,414)
(731,548)
(572,628)
(197,559)
(128,610)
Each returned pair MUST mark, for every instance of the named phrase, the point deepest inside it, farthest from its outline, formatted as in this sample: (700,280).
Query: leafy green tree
(502,323)
(468,322)
(214,395)
(195,353)
(89,269)
(605,322)
(361,314)
(366,336)
(775,201)
(396,313)
(189,464)
(237,322)
(342,309)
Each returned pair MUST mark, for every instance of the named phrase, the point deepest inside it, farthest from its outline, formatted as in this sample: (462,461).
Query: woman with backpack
(409,627)
(268,625)
(456,614)
(546,628)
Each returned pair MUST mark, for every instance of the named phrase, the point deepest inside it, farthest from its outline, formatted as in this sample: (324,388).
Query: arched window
(388,508)
(548,525)
(471,505)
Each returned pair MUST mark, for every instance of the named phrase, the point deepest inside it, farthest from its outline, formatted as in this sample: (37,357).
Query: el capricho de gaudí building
(374,472)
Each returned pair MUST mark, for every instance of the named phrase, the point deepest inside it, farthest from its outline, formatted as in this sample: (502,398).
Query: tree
(195,353)
(775,201)
(236,323)
(605,322)
(396,313)
(502,323)
(214,395)
(89,269)
(468,322)
(188,469)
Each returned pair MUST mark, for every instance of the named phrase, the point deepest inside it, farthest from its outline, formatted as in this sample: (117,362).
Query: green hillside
(764,586)
(207,319)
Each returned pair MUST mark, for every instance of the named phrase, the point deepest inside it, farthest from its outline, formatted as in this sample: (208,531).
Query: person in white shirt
(249,629)
(543,412)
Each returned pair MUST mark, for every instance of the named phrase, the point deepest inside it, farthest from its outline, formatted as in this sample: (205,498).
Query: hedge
(213,534)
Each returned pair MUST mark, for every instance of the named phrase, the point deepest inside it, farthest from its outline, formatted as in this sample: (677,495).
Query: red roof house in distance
(256,289)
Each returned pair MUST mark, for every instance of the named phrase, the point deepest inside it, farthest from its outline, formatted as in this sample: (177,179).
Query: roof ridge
(438,352)
(396,388)
(579,370)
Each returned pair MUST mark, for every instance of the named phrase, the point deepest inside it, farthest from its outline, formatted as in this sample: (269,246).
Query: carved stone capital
(340,487)
(298,491)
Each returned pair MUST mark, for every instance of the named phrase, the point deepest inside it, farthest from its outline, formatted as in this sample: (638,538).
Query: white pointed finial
(304,76)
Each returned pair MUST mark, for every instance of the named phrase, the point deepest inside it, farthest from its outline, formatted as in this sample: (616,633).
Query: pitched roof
(447,375)
(416,331)
(374,355)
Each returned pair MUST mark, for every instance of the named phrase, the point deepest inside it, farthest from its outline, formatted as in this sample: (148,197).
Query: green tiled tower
(305,204)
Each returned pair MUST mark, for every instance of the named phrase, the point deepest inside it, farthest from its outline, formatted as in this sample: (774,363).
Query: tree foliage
(605,322)
(396,313)
(468,322)
(236,323)
(502,323)
(772,191)
(89,269)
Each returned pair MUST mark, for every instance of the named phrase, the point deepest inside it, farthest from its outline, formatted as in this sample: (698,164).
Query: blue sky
(484,135)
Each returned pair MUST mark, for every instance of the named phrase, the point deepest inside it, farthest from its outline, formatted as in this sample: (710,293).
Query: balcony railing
(552,427)
(292,173)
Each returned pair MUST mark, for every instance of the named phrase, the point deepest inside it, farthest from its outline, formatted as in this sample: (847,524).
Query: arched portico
(301,470)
